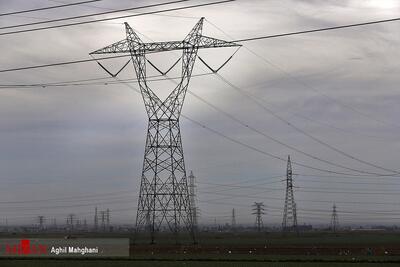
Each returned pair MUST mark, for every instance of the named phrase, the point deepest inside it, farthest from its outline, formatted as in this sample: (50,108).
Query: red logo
(25,248)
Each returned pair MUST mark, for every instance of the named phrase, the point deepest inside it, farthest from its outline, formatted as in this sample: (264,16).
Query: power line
(269,137)
(46,8)
(119,17)
(303,179)
(81,213)
(67,83)
(307,86)
(245,144)
(71,206)
(228,196)
(346,182)
(356,176)
(317,190)
(317,30)
(276,140)
(63,198)
(257,149)
(61,63)
(254,196)
(147,13)
(252,128)
(270,207)
(91,15)
(164,15)
(349,192)
(120,81)
(230,116)
(257,101)
(110,57)
(318,211)
(267,189)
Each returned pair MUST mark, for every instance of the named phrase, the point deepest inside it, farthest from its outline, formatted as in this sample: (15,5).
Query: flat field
(310,249)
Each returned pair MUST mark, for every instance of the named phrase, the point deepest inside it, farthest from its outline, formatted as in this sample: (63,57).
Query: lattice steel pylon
(233,220)
(334,219)
(192,194)
(289,222)
(164,195)
(258,210)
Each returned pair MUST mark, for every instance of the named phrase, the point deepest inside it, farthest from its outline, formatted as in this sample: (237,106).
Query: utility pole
(289,222)
(164,192)
(233,222)
(192,194)
(258,210)
(334,219)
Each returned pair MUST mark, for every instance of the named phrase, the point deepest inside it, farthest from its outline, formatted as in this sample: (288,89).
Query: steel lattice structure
(258,210)
(233,220)
(164,196)
(192,194)
(289,222)
(334,219)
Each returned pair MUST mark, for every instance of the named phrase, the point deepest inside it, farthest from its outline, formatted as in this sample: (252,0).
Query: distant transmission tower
(70,220)
(103,220)
(108,219)
(334,219)
(289,222)
(41,220)
(96,220)
(258,210)
(192,194)
(164,193)
(233,222)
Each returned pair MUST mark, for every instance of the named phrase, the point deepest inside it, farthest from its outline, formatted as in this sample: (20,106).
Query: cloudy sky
(333,95)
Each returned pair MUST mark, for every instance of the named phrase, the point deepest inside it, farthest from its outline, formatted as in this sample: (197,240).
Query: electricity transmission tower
(108,219)
(103,220)
(96,220)
(233,222)
(334,219)
(258,210)
(41,220)
(70,221)
(192,194)
(164,195)
(289,222)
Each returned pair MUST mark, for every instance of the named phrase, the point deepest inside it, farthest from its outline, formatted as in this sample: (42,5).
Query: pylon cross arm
(127,46)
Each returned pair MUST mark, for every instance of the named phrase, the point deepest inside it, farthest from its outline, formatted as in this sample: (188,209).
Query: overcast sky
(340,87)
